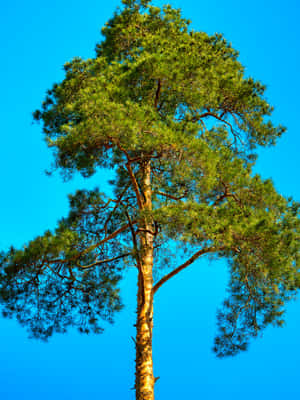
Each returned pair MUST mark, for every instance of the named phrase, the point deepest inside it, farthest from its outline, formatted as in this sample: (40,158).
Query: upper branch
(220,118)
(170,196)
(135,185)
(107,260)
(117,203)
(92,247)
(225,195)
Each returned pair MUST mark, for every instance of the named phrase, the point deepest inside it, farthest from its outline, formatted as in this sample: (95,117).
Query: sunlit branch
(185,265)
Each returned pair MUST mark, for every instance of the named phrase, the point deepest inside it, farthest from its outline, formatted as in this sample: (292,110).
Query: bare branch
(185,265)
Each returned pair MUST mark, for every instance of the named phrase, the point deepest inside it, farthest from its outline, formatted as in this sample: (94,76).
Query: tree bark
(144,378)
(144,383)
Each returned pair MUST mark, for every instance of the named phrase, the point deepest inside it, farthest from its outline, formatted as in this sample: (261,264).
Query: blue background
(37,39)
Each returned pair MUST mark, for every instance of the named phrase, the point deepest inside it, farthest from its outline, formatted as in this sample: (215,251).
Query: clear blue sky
(37,39)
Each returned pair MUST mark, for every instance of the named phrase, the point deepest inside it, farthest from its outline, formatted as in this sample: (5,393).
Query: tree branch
(117,202)
(184,265)
(220,118)
(107,260)
(135,185)
(135,245)
(93,247)
(227,194)
(171,196)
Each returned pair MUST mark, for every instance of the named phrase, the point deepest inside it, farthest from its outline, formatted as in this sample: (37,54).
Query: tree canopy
(162,96)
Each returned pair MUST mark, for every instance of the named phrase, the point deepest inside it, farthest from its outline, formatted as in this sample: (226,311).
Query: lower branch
(184,265)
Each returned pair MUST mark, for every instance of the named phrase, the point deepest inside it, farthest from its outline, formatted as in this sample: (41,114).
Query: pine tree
(170,111)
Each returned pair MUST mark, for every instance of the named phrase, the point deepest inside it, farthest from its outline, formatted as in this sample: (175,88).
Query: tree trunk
(144,382)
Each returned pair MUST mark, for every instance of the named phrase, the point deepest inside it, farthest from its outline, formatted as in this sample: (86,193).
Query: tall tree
(171,113)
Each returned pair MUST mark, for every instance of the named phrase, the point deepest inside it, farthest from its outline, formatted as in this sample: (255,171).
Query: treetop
(153,87)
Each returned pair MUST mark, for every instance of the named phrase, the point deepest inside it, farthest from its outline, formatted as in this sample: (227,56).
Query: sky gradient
(37,39)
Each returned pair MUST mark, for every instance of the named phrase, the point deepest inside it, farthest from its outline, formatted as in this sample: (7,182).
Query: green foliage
(50,284)
(159,93)
(152,88)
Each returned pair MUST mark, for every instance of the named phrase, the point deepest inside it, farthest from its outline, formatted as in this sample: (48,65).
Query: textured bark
(144,365)
(144,383)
